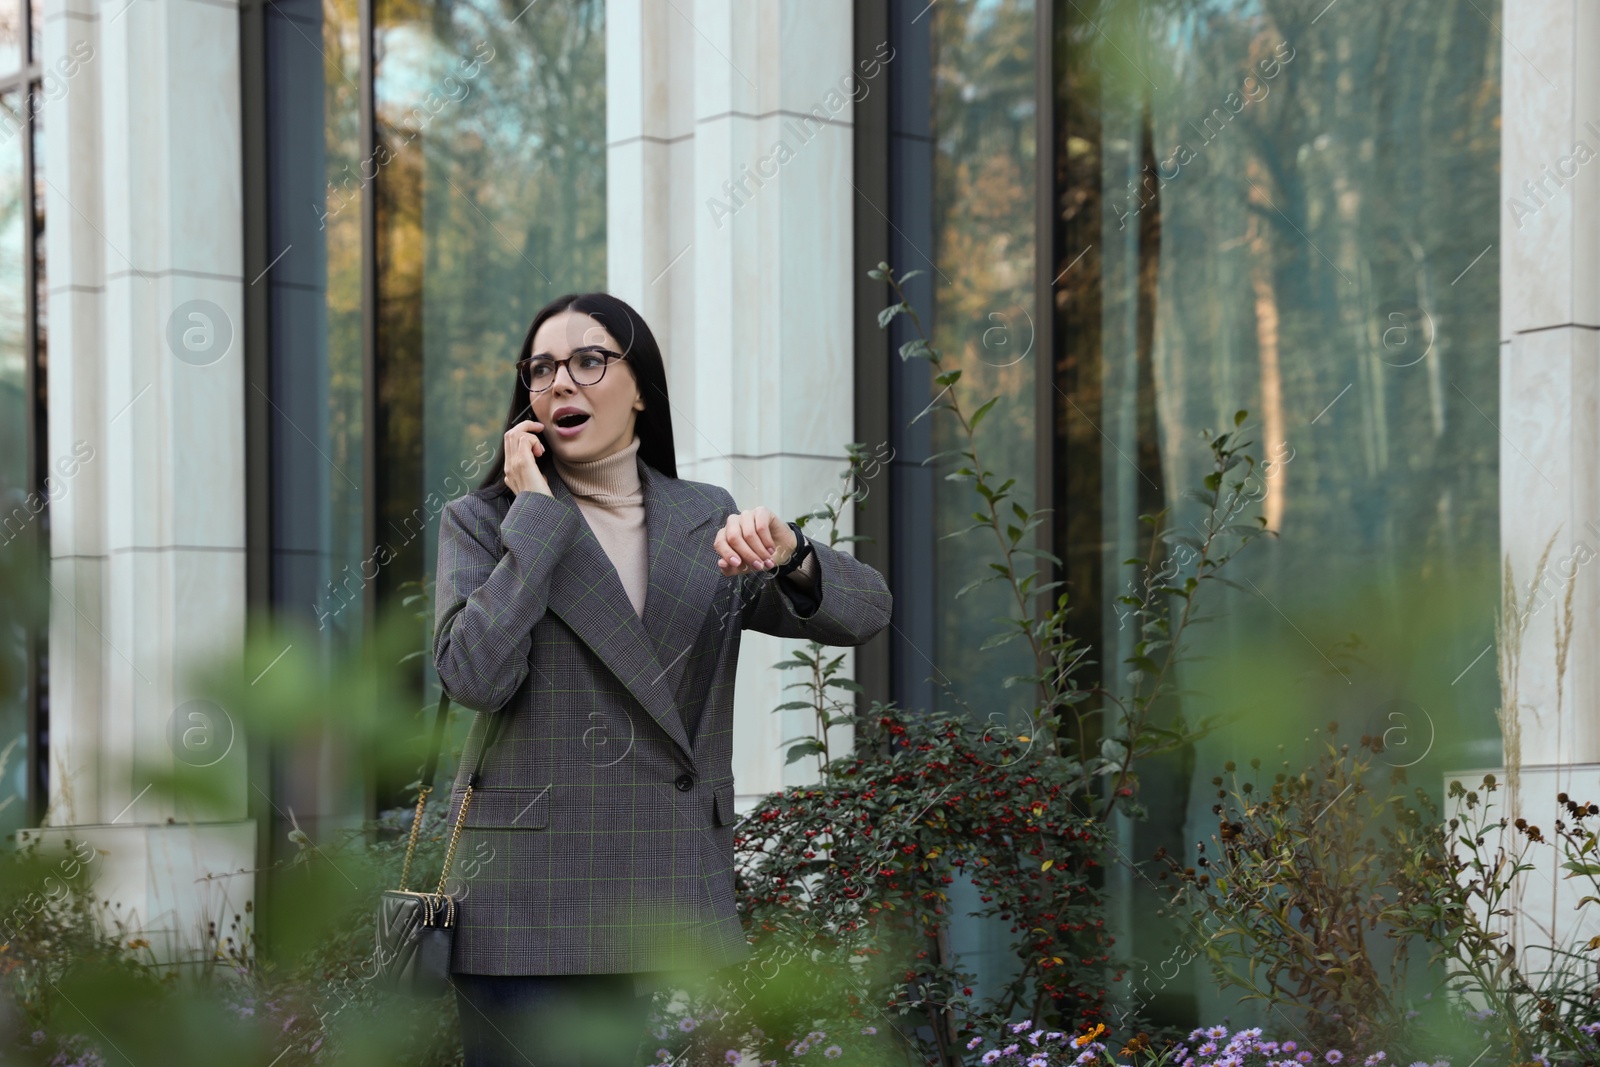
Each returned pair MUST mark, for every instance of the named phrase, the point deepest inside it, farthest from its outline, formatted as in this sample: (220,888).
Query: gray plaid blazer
(600,837)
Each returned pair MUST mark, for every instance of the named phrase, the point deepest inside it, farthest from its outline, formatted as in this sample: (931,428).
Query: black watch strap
(802,548)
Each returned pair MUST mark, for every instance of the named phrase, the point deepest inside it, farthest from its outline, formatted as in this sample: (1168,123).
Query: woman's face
(610,405)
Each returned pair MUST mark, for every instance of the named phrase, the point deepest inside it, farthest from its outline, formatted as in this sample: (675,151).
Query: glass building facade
(443,168)
(27,480)
(1133,221)
(1274,208)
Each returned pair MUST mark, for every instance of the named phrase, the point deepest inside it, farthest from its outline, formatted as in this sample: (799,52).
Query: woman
(592,602)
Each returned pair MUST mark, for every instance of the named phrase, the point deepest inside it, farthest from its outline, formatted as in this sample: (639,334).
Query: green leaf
(997,640)
(965,529)
(970,586)
(948,452)
(804,749)
(977,416)
(887,315)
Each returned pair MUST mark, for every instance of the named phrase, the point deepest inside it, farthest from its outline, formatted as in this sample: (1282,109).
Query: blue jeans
(551,1020)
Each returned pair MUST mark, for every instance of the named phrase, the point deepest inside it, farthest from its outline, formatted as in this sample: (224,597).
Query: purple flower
(732,1056)
(1304,1056)
(1376,1058)
(1289,1046)
(1217,1033)
(833,1052)
(1207,1049)
(1017,1028)
(686,1024)
(974,1043)
(991,1056)
(1333,1055)
(870,1030)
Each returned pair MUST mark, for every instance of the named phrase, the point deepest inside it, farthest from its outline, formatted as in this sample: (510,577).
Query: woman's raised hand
(754,540)
(523,450)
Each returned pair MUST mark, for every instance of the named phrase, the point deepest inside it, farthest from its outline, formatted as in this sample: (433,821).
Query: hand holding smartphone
(524,446)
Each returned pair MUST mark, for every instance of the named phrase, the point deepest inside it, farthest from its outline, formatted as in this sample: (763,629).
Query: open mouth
(571,419)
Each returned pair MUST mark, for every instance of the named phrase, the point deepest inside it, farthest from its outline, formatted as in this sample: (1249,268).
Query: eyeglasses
(585,367)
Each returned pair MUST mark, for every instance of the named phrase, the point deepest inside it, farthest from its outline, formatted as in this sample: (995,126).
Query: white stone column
(144,259)
(729,228)
(1549,423)
(1550,361)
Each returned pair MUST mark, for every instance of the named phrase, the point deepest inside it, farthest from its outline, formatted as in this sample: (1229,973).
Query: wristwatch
(802,548)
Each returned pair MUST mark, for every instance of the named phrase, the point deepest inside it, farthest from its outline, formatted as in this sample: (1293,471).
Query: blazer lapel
(682,608)
(588,595)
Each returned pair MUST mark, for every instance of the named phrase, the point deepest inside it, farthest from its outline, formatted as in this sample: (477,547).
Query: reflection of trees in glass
(342,439)
(19,531)
(1289,193)
(983,190)
(1308,255)
(1320,188)
(522,217)
(492,202)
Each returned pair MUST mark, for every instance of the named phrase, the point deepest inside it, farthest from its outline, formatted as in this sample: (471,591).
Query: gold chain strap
(455,834)
(416,828)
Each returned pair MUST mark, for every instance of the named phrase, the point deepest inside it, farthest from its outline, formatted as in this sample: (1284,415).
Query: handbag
(416,929)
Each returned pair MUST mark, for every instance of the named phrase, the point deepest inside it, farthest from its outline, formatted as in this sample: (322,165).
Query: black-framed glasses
(585,366)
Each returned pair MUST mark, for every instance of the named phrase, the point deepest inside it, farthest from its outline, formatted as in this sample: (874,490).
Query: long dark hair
(653,425)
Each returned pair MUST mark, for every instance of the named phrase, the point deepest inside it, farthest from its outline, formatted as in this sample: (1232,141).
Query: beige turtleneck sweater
(608,492)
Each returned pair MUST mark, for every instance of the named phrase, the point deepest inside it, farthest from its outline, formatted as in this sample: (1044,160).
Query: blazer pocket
(722,798)
(502,808)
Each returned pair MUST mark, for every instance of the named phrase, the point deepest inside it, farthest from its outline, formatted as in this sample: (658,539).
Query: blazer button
(684,782)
